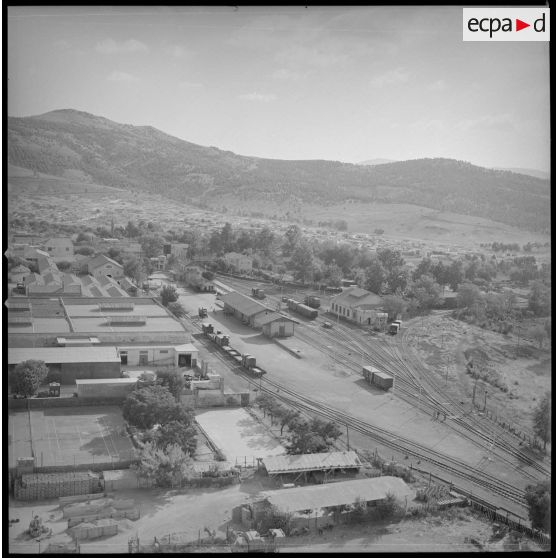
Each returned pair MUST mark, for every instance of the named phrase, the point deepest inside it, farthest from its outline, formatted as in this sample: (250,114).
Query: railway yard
(424,420)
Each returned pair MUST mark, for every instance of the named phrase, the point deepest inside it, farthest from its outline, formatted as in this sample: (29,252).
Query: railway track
(382,436)
(413,383)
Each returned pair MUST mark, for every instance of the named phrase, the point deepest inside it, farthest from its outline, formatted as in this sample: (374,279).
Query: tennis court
(68,436)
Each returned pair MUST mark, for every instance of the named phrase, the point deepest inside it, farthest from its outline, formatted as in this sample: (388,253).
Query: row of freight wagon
(374,376)
(245,360)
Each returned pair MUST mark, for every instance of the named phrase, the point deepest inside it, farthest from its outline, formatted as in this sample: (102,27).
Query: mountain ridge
(143,158)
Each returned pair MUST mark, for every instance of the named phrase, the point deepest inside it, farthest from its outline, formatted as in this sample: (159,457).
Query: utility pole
(347,426)
(485,394)
(474,390)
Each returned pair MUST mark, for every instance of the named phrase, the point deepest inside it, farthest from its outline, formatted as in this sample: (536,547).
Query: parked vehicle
(258,293)
(312,301)
(394,328)
(302,309)
(202,312)
(374,376)
(327,325)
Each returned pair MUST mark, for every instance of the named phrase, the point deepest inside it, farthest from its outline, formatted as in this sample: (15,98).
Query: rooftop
(244,304)
(311,462)
(274,317)
(63,355)
(107,381)
(356,297)
(337,493)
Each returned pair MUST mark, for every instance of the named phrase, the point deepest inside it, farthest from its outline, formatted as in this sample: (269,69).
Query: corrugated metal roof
(244,304)
(311,462)
(337,493)
(59,355)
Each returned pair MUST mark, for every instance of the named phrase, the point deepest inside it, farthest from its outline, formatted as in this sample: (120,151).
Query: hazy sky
(347,84)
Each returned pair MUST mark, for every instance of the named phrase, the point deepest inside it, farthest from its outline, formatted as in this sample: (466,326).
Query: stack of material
(100,509)
(44,486)
(62,548)
(94,529)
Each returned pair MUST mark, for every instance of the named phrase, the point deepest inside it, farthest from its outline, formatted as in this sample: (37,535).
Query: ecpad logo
(506,24)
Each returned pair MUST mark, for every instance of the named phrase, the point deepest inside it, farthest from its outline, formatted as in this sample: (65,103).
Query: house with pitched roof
(103,266)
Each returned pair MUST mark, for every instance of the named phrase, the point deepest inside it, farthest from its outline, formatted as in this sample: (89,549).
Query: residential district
(166,398)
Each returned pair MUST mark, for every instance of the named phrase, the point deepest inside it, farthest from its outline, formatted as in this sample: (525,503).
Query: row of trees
(305,436)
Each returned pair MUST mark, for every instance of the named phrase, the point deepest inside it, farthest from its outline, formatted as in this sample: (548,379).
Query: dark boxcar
(312,301)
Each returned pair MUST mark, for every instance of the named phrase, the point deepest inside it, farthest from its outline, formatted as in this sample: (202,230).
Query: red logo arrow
(519,25)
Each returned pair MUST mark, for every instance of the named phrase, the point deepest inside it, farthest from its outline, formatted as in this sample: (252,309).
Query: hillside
(70,144)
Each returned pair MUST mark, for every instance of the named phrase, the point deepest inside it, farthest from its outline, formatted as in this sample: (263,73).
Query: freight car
(207,328)
(258,293)
(312,301)
(302,309)
(394,328)
(380,379)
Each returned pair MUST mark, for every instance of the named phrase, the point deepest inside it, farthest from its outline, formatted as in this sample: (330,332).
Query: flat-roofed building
(185,355)
(71,362)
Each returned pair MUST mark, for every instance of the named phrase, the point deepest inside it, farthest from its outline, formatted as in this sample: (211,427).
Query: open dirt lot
(238,435)
(514,385)
(69,435)
(164,512)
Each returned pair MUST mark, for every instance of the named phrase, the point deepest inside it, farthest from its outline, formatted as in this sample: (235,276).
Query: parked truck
(394,328)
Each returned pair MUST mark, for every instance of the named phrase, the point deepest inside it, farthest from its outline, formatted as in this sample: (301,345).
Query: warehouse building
(71,362)
(245,309)
(185,355)
(338,494)
(124,321)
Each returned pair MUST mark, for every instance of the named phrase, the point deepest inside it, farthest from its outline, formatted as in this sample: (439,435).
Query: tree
(27,376)
(173,380)
(390,259)
(85,251)
(177,309)
(131,230)
(287,415)
(539,299)
(394,306)
(151,245)
(455,274)
(396,280)
(374,277)
(426,292)
(542,419)
(152,405)
(132,268)
(302,262)
(166,467)
(424,267)
(175,432)
(468,295)
(227,237)
(293,236)
(304,439)
(114,253)
(539,501)
(168,294)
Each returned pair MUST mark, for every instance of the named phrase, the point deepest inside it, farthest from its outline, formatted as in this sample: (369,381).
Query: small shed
(109,387)
(277,325)
(119,479)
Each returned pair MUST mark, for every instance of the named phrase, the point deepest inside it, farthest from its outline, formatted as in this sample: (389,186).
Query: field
(68,436)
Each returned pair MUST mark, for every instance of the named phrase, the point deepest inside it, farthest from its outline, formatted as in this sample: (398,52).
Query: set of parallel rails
(421,390)
(380,435)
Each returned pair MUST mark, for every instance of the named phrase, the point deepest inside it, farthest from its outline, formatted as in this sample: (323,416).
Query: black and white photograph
(279,279)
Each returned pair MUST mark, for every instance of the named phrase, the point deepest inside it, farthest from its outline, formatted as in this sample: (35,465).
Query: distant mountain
(73,143)
(529,172)
(377,162)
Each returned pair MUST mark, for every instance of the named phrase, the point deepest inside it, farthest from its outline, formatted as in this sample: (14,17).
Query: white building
(185,355)
(358,305)
(238,262)
(101,266)
(59,248)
